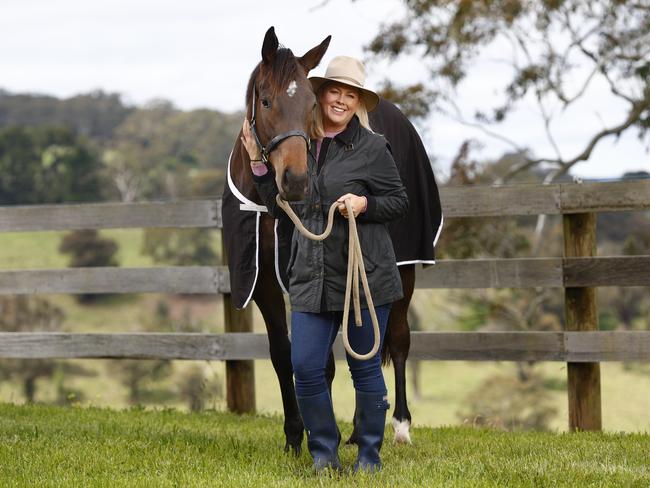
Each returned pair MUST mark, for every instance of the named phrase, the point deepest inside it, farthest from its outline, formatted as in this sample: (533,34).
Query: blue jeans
(312,336)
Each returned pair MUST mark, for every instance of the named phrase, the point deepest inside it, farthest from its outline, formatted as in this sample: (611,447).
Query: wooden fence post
(582,315)
(240,375)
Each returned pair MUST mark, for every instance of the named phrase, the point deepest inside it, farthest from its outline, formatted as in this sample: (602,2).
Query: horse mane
(283,70)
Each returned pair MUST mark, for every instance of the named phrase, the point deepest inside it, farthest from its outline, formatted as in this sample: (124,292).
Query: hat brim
(370,98)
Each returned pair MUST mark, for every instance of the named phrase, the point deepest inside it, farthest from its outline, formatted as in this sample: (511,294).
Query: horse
(279,104)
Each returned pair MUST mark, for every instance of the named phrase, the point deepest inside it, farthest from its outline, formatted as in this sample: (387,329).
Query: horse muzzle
(292,185)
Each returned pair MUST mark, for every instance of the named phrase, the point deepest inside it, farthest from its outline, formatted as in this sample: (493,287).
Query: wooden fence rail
(475,273)
(582,346)
(191,213)
(469,201)
(578,347)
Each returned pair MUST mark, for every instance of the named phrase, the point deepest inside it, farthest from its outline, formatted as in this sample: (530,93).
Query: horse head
(280,103)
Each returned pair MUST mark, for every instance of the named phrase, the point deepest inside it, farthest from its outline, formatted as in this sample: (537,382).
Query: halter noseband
(275,141)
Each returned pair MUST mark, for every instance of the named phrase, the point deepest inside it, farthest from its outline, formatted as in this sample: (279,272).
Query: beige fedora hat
(351,72)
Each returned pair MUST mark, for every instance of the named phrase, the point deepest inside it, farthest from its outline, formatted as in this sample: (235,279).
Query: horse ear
(270,45)
(312,57)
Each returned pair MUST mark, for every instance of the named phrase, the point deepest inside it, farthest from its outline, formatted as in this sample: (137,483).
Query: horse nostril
(289,178)
(294,184)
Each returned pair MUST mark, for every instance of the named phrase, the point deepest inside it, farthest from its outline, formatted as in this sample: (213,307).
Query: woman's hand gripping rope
(356,268)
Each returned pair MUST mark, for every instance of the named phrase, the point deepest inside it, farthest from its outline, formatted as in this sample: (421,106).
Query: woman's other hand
(254,153)
(359,204)
(247,139)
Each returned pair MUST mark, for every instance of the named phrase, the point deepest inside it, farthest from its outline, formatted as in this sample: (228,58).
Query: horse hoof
(402,431)
(296,448)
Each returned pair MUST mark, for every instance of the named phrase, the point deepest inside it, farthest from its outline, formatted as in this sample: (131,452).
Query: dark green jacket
(359,162)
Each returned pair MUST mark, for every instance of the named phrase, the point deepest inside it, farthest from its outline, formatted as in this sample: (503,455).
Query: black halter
(275,141)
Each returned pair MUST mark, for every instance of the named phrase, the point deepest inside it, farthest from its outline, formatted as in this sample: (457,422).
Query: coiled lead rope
(356,268)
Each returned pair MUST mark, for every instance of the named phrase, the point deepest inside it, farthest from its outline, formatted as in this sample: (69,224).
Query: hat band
(347,78)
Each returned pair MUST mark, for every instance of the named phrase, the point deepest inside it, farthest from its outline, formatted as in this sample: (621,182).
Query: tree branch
(318,6)
(459,118)
(547,122)
(565,166)
(633,117)
(600,62)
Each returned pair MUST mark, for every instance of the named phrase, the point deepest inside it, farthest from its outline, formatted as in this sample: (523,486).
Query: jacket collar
(346,136)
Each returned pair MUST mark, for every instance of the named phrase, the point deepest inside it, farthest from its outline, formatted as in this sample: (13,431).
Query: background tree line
(94,147)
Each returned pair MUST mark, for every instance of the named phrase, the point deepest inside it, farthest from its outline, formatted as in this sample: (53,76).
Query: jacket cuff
(264,178)
(371,208)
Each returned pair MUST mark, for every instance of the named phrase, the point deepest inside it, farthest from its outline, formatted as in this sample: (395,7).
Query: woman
(346,161)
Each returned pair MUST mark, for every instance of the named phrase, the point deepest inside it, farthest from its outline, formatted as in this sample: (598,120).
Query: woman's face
(338,105)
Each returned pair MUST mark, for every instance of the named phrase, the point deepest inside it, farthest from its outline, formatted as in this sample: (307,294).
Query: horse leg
(269,299)
(280,348)
(398,343)
(396,348)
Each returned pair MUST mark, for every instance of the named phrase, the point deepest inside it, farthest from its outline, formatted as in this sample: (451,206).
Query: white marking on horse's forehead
(293,86)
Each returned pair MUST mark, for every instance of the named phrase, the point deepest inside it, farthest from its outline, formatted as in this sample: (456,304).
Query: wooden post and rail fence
(579,272)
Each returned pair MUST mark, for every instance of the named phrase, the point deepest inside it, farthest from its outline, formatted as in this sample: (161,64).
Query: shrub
(510,403)
(179,247)
(87,249)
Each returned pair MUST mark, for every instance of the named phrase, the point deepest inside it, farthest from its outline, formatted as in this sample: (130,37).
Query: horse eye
(266,103)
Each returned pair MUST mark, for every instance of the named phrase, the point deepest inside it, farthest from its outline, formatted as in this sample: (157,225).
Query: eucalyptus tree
(555,53)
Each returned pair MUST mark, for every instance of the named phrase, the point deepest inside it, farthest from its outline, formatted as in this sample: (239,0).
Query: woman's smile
(338,114)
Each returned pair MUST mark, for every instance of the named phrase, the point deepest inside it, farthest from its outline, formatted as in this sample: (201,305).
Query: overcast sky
(199,53)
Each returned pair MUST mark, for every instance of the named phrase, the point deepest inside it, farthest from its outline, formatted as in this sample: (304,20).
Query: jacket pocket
(377,247)
(299,268)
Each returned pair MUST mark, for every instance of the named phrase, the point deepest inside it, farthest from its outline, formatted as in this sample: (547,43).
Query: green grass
(54,446)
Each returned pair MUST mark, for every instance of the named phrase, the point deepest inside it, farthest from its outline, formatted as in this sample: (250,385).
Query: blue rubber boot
(371,422)
(322,433)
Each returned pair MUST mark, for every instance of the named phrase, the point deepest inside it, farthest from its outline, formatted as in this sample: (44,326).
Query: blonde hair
(317,130)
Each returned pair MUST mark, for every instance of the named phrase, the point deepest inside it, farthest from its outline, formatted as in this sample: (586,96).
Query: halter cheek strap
(275,141)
